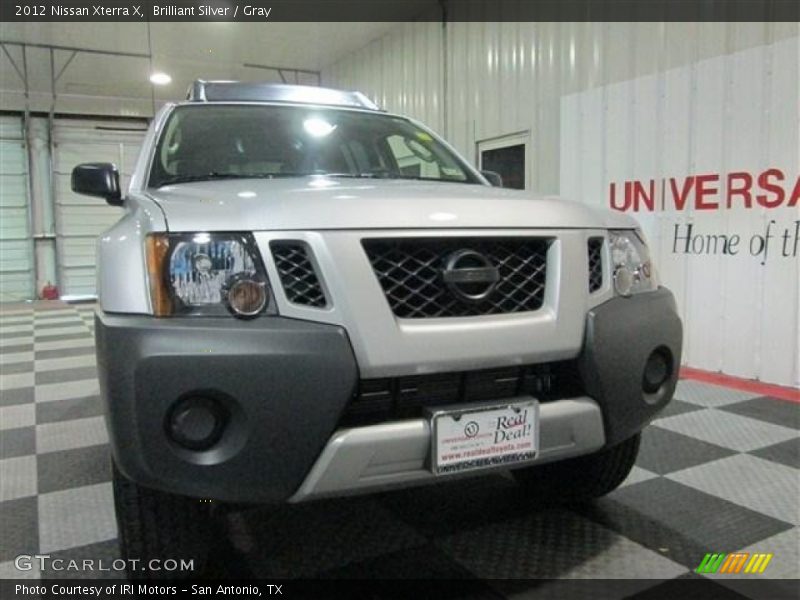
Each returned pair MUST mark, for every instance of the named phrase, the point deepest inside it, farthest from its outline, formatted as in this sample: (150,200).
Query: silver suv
(310,297)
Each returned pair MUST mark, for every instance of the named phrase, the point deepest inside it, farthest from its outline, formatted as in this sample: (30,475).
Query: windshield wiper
(215,175)
(392,176)
(352,175)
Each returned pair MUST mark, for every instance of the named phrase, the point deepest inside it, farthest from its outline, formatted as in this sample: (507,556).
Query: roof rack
(240,91)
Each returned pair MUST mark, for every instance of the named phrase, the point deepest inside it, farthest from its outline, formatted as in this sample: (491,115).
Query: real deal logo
(512,428)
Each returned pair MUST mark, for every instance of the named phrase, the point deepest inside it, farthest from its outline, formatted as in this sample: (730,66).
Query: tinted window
(208,142)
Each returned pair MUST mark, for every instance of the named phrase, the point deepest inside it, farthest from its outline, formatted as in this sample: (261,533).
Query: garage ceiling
(185,51)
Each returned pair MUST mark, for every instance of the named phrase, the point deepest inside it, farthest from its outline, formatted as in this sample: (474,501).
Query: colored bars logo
(735,562)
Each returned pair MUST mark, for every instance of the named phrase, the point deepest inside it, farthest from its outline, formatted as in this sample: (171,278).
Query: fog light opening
(196,422)
(657,370)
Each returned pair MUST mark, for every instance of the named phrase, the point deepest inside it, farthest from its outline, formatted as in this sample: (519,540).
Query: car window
(216,141)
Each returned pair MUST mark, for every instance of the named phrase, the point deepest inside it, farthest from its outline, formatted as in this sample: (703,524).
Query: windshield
(208,142)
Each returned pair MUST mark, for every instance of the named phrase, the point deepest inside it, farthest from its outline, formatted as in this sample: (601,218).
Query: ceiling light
(160,78)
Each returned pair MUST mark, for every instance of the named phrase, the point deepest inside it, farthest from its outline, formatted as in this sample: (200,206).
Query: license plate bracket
(482,436)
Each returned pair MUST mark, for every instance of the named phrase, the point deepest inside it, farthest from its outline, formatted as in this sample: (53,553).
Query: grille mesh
(410,273)
(298,277)
(595,248)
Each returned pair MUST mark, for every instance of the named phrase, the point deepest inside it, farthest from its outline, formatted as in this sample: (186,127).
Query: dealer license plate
(487,436)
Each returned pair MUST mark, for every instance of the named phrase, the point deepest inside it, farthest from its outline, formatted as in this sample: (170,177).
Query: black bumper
(286,384)
(620,336)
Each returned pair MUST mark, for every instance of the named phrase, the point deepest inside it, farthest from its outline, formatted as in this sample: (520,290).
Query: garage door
(16,244)
(80,219)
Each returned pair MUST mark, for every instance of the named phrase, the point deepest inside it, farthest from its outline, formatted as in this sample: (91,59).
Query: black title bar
(398,10)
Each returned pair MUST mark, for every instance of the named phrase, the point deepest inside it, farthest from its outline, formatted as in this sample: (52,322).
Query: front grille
(391,399)
(595,250)
(410,271)
(298,277)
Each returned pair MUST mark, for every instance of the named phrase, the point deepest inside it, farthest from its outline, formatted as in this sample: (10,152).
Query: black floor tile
(17,442)
(771,410)
(680,522)
(20,367)
(786,453)
(19,523)
(24,395)
(64,352)
(453,506)
(17,335)
(73,468)
(102,556)
(57,323)
(304,539)
(663,451)
(66,410)
(677,407)
(64,375)
(21,347)
(64,337)
(546,543)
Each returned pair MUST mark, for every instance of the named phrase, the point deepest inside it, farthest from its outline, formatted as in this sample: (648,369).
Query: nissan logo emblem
(469,275)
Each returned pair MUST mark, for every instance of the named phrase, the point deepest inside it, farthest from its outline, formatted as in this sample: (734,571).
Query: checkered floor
(718,472)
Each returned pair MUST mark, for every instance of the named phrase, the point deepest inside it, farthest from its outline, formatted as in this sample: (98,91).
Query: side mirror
(97,179)
(493,177)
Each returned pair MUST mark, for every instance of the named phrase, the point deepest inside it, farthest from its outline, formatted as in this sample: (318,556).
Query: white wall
(689,128)
(503,78)
(604,102)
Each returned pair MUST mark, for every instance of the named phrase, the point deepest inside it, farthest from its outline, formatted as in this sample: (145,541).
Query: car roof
(239,91)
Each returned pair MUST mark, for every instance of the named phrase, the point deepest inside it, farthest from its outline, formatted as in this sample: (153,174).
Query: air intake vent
(460,277)
(595,249)
(298,277)
(382,400)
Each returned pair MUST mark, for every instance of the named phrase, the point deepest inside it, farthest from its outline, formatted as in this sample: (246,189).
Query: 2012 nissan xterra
(309,297)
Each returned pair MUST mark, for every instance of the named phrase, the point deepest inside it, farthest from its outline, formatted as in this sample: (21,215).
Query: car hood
(317,203)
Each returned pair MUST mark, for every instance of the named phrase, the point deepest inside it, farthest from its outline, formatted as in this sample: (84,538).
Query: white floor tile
(18,415)
(761,485)
(8,570)
(13,381)
(706,394)
(65,435)
(39,345)
(67,362)
(43,334)
(52,392)
(76,517)
(727,429)
(15,357)
(17,477)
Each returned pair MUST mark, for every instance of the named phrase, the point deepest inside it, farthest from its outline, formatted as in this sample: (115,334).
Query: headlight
(632,269)
(207,274)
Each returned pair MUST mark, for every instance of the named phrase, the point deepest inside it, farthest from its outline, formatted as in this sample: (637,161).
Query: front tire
(159,525)
(583,478)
